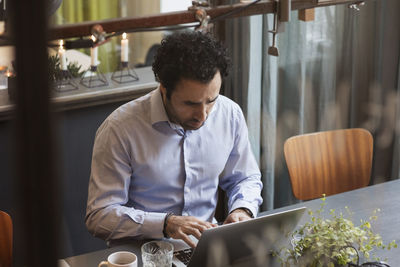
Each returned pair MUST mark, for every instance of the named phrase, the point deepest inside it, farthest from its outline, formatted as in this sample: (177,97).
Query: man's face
(191,101)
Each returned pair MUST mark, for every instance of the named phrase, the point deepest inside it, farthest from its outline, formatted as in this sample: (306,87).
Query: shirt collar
(157,109)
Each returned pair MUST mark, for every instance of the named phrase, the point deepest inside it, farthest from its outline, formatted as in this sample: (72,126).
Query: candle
(93,53)
(124,48)
(3,78)
(61,55)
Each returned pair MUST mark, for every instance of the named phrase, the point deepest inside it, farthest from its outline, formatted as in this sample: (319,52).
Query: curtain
(140,43)
(76,11)
(339,71)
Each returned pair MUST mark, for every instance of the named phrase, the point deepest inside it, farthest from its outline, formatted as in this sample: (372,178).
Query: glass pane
(141,45)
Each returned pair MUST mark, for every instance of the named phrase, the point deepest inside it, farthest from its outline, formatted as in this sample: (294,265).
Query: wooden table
(362,203)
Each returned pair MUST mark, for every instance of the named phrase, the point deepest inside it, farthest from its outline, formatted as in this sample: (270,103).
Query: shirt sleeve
(108,215)
(241,178)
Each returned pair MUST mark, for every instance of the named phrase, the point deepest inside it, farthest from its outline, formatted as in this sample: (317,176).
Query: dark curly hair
(189,55)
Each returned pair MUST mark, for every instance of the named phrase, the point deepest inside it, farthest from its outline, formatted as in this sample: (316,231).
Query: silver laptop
(247,243)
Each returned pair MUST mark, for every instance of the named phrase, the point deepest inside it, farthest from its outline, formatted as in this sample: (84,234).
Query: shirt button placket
(186,189)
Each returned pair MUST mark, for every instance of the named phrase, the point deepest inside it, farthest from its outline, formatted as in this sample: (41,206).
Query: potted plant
(332,242)
(55,72)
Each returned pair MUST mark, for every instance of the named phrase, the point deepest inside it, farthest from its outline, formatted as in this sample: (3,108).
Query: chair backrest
(329,162)
(6,239)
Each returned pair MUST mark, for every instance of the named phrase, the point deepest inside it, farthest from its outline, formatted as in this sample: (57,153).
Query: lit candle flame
(93,38)
(61,43)
(9,73)
(124,35)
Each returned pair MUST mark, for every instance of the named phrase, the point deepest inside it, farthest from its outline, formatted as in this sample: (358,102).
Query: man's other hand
(180,227)
(237,215)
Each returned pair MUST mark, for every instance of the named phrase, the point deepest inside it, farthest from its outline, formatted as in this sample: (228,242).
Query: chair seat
(6,236)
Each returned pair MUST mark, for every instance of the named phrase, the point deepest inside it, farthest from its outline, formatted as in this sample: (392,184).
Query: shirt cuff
(153,225)
(244,204)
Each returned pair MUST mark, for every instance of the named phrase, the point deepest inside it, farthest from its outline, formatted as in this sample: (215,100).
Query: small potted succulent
(332,242)
(55,72)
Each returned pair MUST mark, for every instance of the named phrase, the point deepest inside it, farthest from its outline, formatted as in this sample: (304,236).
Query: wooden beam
(307,14)
(181,17)
(158,20)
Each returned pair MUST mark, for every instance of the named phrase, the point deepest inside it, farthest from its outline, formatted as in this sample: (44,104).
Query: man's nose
(201,113)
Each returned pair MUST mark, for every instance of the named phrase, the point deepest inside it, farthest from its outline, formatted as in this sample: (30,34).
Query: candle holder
(96,78)
(124,74)
(65,82)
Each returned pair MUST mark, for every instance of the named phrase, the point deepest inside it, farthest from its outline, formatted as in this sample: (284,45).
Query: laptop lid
(246,243)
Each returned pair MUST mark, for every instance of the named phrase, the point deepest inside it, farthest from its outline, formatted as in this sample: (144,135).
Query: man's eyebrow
(195,103)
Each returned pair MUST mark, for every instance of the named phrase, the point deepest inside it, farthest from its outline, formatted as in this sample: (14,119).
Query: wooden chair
(6,239)
(329,162)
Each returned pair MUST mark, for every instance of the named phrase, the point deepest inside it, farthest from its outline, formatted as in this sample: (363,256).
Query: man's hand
(180,227)
(237,215)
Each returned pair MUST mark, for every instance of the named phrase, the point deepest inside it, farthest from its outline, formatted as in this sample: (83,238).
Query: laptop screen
(247,243)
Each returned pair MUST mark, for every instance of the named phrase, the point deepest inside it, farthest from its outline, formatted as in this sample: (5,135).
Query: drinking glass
(157,254)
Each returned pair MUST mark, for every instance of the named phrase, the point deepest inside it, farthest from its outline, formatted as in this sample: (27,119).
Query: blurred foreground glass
(157,254)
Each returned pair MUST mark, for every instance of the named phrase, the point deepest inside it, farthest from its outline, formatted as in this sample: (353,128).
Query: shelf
(87,97)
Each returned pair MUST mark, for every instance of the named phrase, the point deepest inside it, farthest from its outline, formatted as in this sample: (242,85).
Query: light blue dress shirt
(144,166)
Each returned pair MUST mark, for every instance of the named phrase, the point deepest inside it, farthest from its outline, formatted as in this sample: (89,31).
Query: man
(158,160)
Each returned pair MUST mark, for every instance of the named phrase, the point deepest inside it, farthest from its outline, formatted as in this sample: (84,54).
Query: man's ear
(163,90)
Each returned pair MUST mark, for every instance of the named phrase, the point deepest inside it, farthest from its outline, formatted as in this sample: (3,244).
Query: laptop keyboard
(184,255)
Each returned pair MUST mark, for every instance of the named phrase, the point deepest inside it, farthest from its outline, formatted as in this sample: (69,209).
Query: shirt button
(187,190)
